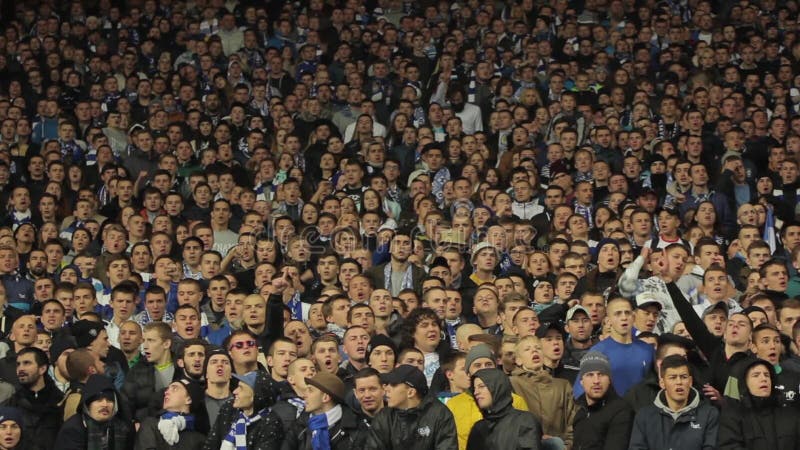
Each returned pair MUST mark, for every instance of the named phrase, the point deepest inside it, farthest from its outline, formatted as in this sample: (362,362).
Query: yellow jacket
(466,414)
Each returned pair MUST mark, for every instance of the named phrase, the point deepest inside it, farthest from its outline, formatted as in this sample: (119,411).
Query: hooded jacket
(466,413)
(549,399)
(758,423)
(41,416)
(264,434)
(75,432)
(428,426)
(657,427)
(503,426)
(605,425)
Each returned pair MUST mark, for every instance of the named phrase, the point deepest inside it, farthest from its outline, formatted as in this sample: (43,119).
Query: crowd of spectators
(387,224)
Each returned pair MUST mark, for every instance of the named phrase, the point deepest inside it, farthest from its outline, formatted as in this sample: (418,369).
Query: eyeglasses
(242,344)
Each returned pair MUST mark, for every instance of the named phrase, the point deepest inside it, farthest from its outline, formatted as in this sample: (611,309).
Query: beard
(457,107)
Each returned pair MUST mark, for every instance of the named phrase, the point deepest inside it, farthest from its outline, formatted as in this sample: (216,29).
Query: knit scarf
(170,424)
(237,435)
(296,306)
(105,436)
(319,425)
(298,403)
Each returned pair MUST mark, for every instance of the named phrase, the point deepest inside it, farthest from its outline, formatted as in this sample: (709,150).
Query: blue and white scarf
(20,218)
(298,403)
(237,435)
(407,283)
(319,425)
(296,306)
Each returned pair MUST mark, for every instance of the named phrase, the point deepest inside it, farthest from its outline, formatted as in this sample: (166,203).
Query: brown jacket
(549,399)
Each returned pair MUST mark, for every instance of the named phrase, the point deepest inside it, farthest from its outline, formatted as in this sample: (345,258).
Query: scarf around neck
(319,425)
(237,435)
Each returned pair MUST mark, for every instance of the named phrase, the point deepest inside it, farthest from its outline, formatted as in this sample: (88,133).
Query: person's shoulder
(643,346)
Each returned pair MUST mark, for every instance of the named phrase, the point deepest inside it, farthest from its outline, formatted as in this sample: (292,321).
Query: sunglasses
(242,344)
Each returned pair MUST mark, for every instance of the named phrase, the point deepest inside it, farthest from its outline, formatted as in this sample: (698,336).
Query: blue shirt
(629,363)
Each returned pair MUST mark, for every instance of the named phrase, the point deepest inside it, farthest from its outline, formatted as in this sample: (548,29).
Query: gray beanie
(478,352)
(594,362)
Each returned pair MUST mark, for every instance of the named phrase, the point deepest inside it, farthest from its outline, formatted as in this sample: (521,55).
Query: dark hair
(38,354)
(366,372)
(673,362)
(412,321)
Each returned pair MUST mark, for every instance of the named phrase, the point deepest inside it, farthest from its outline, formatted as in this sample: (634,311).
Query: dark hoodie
(116,433)
(264,434)
(758,422)
(503,427)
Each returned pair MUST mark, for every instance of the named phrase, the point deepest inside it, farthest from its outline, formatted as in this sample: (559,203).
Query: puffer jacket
(503,427)
(754,423)
(605,425)
(140,389)
(428,426)
(692,428)
(549,399)
(466,414)
(264,434)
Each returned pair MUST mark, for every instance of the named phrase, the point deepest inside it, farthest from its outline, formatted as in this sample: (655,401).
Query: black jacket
(264,434)
(758,423)
(428,426)
(140,389)
(348,433)
(286,411)
(695,428)
(41,416)
(503,426)
(606,425)
(74,434)
(149,438)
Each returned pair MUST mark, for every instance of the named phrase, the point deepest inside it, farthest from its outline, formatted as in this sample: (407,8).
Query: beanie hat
(9,413)
(476,353)
(380,340)
(594,362)
(85,332)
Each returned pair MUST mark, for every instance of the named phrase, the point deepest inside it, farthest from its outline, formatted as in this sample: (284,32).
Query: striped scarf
(237,435)
(298,403)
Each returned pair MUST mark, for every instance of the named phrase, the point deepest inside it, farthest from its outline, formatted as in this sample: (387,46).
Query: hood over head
(500,387)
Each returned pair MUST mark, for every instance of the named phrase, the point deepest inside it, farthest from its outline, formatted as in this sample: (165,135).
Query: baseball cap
(541,332)
(408,375)
(576,309)
(647,299)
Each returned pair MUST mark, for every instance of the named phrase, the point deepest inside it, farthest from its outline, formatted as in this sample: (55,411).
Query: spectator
(630,358)
(550,398)
(756,418)
(433,426)
(673,418)
(602,420)
(503,425)
(99,423)
(327,423)
(248,421)
(37,399)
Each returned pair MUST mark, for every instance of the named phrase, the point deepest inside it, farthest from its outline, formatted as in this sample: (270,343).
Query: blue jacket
(19,291)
